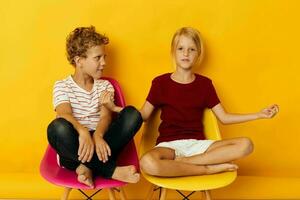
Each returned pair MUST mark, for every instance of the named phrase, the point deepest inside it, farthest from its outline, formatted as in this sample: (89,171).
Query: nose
(102,61)
(186,52)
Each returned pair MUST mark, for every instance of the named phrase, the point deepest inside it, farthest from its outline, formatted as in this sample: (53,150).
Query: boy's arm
(102,148)
(86,145)
(230,118)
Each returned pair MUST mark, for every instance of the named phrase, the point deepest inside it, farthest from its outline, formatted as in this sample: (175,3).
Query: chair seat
(193,183)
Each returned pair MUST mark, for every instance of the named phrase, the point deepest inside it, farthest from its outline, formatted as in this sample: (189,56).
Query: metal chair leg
(66,193)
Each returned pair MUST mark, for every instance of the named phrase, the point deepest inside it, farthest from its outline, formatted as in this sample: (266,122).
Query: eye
(180,48)
(97,57)
(192,49)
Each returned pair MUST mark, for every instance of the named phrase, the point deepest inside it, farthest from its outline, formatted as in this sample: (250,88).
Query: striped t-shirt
(85,105)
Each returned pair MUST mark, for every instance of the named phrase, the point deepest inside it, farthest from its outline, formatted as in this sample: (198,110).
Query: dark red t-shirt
(182,106)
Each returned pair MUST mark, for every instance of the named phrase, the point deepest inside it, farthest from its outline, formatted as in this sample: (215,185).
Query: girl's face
(94,62)
(186,53)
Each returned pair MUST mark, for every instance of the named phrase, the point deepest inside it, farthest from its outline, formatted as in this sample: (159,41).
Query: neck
(82,79)
(183,76)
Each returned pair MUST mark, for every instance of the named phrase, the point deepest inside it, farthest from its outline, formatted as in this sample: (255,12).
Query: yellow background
(252,49)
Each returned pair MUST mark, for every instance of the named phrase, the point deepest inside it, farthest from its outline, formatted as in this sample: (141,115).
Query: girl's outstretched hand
(107,99)
(269,112)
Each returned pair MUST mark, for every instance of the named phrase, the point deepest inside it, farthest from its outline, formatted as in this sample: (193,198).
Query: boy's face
(94,62)
(186,52)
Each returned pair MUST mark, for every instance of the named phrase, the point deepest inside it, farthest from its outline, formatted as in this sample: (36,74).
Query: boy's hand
(102,148)
(269,112)
(107,100)
(86,146)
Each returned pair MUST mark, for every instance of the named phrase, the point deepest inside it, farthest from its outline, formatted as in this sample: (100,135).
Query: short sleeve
(154,96)
(212,97)
(59,94)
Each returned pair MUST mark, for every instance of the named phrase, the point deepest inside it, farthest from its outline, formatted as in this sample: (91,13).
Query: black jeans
(63,137)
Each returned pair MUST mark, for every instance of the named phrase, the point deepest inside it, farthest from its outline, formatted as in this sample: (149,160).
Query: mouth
(185,60)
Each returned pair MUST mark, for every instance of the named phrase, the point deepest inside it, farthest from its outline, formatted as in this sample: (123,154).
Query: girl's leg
(221,151)
(160,162)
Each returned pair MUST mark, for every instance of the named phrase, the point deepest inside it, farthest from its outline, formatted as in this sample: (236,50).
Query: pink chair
(57,175)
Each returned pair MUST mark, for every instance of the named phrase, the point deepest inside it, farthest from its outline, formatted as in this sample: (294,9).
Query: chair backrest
(150,132)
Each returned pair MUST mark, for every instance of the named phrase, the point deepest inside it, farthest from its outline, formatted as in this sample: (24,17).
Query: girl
(84,135)
(182,97)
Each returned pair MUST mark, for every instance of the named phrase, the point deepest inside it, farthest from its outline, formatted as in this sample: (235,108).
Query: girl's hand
(86,146)
(269,112)
(107,100)
(102,148)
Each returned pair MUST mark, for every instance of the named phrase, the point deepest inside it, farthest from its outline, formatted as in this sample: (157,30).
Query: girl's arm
(146,110)
(86,145)
(230,118)
(106,100)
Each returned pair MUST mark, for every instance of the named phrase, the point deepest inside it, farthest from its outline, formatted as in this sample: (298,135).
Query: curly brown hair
(81,39)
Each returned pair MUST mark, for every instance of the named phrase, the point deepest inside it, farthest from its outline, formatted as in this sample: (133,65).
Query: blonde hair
(192,33)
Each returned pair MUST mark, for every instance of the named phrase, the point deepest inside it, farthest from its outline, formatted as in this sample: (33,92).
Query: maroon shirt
(182,106)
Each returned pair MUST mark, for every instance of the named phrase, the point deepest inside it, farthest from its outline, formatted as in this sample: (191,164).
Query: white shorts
(189,147)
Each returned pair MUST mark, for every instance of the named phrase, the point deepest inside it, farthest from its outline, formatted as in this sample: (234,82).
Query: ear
(78,61)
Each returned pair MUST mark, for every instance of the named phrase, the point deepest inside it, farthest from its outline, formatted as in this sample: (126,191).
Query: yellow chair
(203,183)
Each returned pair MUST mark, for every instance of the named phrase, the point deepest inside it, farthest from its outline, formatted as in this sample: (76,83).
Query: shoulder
(103,84)
(63,83)
(162,78)
(203,80)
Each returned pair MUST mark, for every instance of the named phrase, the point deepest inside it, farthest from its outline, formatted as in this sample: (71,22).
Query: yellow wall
(251,46)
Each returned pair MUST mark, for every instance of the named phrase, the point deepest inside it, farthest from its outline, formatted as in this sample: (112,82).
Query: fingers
(91,154)
(80,150)
(86,148)
(103,151)
(275,107)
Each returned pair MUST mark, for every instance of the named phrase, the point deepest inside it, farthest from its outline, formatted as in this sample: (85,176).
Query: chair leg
(111,194)
(163,194)
(206,195)
(122,194)
(150,193)
(66,193)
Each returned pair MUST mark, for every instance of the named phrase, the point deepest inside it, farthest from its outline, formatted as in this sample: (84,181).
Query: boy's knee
(131,111)
(132,116)
(58,127)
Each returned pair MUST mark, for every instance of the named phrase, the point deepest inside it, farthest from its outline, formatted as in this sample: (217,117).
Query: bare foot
(225,167)
(85,175)
(127,174)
